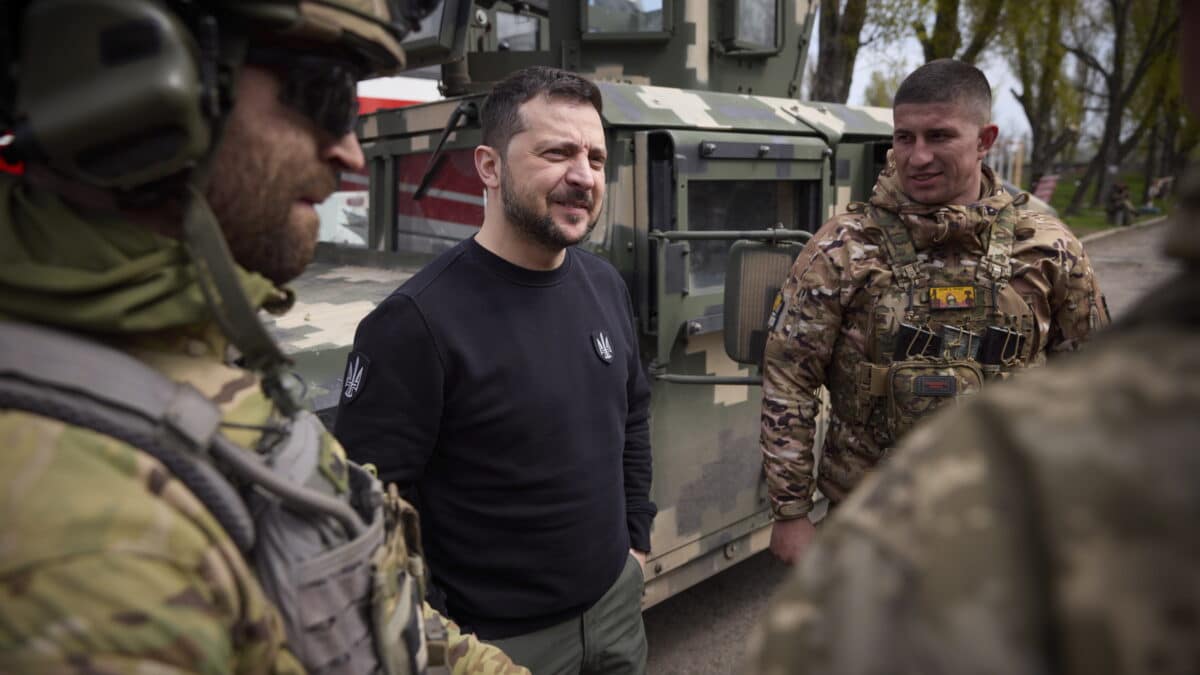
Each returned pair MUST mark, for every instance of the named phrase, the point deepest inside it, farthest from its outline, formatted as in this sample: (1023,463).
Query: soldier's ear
(488,166)
(987,137)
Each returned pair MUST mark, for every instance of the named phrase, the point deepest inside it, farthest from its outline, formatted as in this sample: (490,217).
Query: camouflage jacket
(822,334)
(1048,526)
(107,562)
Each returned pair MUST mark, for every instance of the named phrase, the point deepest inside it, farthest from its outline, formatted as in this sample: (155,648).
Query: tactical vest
(938,332)
(339,557)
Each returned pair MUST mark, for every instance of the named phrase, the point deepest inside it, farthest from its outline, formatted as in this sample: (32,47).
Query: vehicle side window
(517,33)
(636,16)
(715,205)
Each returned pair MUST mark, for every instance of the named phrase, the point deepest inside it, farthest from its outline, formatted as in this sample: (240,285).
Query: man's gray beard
(537,228)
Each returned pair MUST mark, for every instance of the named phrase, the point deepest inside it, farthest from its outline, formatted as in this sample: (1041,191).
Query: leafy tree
(1130,36)
(882,88)
(983,18)
(846,26)
(1053,107)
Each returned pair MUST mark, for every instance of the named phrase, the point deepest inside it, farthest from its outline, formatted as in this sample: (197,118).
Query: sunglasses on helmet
(321,88)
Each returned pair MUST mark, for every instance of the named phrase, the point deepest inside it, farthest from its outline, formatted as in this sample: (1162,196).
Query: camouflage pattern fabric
(111,565)
(838,293)
(1047,527)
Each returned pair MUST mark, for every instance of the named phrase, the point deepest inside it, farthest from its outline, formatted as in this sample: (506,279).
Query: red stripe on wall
(368,105)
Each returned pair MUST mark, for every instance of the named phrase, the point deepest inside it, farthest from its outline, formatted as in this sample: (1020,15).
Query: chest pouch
(916,389)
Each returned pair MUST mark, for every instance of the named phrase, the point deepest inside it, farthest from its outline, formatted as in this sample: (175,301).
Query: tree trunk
(983,28)
(946,39)
(840,32)
(1166,160)
(1041,161)
(1039,59)
(1085,184)
(1180,153)
(1110,160)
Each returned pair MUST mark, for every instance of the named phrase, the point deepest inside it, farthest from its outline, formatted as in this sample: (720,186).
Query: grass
(1090,219)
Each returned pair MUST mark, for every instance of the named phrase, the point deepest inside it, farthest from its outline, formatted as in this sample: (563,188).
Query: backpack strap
(85,384)
(308,565)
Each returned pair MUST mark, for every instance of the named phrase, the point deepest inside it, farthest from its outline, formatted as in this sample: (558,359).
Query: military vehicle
(707,143)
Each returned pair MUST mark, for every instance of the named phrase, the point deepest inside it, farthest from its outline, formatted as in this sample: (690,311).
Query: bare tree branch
(1126,146)
(1087,58)
(1157,45)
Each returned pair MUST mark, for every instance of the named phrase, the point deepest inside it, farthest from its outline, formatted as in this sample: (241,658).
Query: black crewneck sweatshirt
(515,403)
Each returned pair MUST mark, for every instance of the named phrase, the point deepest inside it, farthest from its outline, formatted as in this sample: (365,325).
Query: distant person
(503,383)
(901,306)
(1049,526)
(1121,211)
(1160,188)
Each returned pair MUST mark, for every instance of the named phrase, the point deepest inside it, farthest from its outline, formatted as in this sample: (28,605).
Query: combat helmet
(120,93)
(131,96)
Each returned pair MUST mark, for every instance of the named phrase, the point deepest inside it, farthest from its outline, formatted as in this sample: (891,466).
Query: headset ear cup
(111,92)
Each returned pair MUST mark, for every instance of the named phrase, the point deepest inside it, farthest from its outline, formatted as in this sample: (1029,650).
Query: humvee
(707,144)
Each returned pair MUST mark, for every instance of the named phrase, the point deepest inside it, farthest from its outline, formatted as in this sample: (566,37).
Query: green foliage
(883,85)
(962,29)
(1053,105)
(1121,43)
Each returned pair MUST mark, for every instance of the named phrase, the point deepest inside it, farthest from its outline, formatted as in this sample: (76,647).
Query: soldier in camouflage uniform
(1047,527)
(912,301)
(118,299)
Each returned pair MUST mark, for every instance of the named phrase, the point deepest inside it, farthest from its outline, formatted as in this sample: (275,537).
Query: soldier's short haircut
(501,118)
(948,81)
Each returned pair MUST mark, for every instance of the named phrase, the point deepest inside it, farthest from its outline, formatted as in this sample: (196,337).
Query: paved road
(702,631)
(1129,263)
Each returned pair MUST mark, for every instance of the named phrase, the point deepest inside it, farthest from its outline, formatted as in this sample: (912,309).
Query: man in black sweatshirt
(503,383)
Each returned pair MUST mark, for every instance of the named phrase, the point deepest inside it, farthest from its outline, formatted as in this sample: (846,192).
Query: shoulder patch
(776,311)
(357,364)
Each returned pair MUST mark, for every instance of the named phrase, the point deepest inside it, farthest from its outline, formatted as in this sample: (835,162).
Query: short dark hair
(501,118)
(947,81)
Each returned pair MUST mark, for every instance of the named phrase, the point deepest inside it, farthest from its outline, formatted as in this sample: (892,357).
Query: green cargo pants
(609,638)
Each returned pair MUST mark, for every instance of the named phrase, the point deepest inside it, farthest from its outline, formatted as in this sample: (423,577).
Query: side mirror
(755,273)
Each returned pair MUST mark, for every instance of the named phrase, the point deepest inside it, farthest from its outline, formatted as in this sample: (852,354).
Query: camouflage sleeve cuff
(791,510)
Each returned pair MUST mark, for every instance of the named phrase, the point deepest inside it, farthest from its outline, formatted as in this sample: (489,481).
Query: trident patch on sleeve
(356,370)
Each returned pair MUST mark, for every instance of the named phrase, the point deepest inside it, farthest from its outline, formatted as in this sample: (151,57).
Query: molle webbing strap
(225,298)
(901,251)
(68,363)
(85,384)
(995,268)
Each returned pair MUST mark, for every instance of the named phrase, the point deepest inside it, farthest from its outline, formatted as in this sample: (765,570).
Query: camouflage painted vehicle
(706,144)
